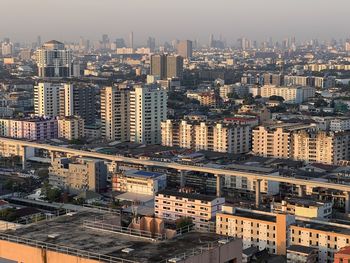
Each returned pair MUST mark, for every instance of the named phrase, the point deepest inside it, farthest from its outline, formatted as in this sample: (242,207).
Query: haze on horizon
(24,20)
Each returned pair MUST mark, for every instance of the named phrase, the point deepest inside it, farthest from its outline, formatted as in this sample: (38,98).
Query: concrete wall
(28,254)
(222,254)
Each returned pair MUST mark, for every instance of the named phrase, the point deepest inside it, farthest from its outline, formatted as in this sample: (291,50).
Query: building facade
(77,175)
(139,182)
(291,95)
(54,60)
(172,205)
(259,229)
(205,135)
(71,128)
(31,128)
(46,100)
(148,108)
(115,113)
(78,100)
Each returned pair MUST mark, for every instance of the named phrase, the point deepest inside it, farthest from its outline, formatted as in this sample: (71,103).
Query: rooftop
(142,174)
(300,249)
(69,232)
(326,227)
(188,195)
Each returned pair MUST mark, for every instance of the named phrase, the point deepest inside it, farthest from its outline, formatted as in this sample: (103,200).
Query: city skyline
(181,21)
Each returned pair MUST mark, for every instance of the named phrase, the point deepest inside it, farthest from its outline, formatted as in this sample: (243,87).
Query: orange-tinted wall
(281,231)
(28,254)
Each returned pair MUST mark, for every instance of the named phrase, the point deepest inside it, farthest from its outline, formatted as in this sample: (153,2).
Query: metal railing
(102,209)
(64,249)
(98,225)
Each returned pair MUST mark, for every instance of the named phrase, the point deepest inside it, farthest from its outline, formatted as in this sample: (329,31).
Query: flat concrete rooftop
(68,231)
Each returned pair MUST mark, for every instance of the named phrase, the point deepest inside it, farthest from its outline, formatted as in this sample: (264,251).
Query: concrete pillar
(301,191)
(182,179)
(347,202)
(24,157)
(116,166)
(53,156)
(257,192)
(219,185)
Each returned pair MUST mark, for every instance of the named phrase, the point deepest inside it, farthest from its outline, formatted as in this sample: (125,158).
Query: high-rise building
(120,42)
(78,100)
(46,99)
(151,43)
(174,67)
(158,66)
(166,66)
(38,41)
(148,108)
(115,113)
(131,40)
(54,60)
(184,48)
(211,40)
(7,49)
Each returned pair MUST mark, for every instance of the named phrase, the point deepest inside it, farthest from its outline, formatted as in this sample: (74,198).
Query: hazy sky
(181,19)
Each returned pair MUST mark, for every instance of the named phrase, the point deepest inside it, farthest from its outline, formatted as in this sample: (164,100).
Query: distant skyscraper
(211,40)
(120,43)
(151,43)
(174,66)
(54,60)
(165,66)
(131,40)
(38,41)
(6,48)
(158,66)
(184,48)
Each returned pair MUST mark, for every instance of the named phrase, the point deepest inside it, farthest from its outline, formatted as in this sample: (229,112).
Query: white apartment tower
(46,99)
(148,108)
(115,113)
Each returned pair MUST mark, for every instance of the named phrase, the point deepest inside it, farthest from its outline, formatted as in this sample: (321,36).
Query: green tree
(183,222)
(278,98)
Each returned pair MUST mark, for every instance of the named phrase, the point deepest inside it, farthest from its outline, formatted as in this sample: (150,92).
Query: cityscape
(143,133)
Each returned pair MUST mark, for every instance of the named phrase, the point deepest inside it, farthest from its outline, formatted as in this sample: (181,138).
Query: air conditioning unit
(127,250)
(174,260)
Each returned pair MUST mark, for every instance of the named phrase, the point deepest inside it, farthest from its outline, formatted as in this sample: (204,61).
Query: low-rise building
(275,140)
(10,149)
(301,254)
(326,237)
(343,255)
(303,208)
(172,205)
(340,124)
(29,128)
(77,175)
(292,94)
(258,229)
(211,136)
(140,182)
(70,128)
